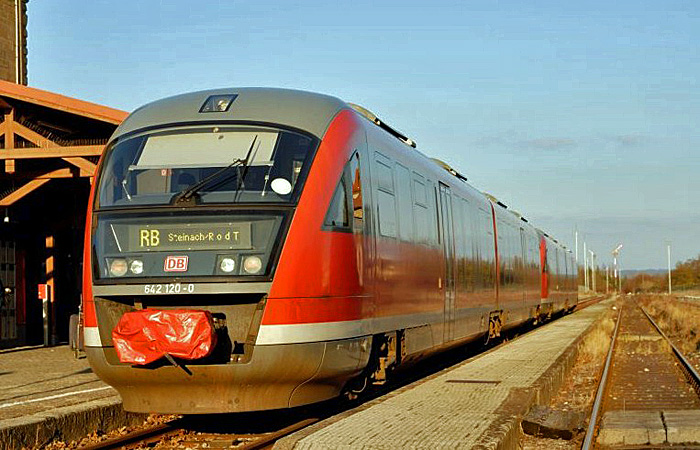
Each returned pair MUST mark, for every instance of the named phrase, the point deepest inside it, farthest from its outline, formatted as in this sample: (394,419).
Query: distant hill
(633,273)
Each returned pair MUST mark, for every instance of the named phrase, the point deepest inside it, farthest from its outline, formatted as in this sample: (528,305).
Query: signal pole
(616,268)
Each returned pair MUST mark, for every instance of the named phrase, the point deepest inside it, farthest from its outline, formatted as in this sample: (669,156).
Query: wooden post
(51,287)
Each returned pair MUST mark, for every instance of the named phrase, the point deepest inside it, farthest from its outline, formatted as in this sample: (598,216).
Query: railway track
(644,371)
(181,433)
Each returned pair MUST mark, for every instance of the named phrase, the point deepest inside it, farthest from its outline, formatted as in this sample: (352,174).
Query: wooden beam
(9,139)
(52,152)
(21,192)
(68,172)
(29,134)
(61,103)
(83,164)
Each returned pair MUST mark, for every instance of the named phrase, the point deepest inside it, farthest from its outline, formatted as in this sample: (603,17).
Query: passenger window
(386,202)
(387,214)
(385,176)
(421,220)
(419,190)
(403,191)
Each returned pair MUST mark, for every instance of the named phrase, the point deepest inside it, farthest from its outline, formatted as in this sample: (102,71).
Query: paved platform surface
(477,404)
(47,393)
(36,380)
(675,427)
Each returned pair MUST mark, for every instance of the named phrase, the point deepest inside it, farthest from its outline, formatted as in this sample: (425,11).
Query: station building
(49,147)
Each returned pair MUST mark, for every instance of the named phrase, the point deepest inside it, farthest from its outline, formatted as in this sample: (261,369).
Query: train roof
(302,110)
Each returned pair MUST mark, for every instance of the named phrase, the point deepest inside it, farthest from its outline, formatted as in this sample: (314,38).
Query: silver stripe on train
(92,337)
(329,331)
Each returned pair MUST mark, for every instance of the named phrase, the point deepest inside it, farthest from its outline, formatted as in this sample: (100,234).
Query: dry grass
(679,320)
(596,343)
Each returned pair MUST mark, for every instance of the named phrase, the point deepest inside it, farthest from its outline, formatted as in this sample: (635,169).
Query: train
(309,245)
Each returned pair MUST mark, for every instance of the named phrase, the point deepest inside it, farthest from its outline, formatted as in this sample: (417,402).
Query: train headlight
(118,267)
(227,265)
(136,267)
(252,264)
(218,103)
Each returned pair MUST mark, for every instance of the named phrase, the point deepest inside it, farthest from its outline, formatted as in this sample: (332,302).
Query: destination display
(197,236)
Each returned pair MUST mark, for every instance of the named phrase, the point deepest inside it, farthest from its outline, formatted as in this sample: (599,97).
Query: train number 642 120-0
(169,288)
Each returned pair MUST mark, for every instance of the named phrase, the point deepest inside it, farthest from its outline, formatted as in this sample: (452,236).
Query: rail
(155,431)
(159,432)
(588,440)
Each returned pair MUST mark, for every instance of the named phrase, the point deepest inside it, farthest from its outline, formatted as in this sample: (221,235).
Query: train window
(433,237)
(357,211)
(419,194)
(386,211)
(420,223)
(385,176)
(488,275)
(214,164)
(347,199)
(386,202)
(403,191)
(338,215)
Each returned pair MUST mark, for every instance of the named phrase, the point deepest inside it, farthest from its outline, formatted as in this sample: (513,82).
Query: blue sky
(580,115)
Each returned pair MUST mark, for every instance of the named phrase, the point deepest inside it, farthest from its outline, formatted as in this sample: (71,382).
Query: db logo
(175,264)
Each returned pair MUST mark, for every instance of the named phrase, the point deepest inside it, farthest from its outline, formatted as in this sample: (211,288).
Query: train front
(189,213)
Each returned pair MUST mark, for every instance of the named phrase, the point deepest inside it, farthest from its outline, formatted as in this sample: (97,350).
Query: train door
(446,232)
(544,271)
(8,306)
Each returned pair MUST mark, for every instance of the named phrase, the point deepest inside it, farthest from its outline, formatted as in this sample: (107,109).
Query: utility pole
(593,283)
(668,247)
(585,267)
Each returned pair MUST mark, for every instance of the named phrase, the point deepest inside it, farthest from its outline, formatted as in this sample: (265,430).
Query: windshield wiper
(190,194)
(240,182)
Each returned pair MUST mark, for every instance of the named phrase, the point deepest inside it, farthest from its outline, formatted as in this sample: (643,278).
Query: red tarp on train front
(144,336)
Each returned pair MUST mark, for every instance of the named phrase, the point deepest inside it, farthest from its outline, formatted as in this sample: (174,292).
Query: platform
(47,394)
(477,404)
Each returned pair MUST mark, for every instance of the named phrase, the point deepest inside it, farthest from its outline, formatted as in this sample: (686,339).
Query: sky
(582,116)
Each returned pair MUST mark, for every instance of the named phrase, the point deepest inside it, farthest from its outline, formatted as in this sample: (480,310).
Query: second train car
(325,249)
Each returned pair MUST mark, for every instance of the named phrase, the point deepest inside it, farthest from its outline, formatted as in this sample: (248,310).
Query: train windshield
(227,164)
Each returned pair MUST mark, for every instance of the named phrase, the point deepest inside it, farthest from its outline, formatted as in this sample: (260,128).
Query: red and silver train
(326,250)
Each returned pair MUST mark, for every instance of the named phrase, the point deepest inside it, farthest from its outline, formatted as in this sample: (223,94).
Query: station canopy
(45,136)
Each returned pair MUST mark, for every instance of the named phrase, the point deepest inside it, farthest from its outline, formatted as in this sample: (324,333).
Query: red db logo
(175,264)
